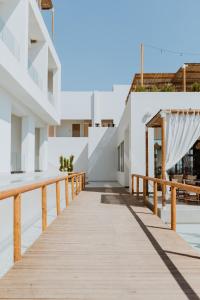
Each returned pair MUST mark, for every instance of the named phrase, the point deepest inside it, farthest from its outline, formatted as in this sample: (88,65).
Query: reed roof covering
(47,4)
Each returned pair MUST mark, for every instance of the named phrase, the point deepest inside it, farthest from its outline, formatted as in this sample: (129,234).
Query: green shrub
(196,87)
(168,88)
(140,88)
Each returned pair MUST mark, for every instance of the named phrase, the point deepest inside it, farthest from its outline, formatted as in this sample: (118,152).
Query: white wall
(66,147)
(5,133)
(102,154)
(76,105)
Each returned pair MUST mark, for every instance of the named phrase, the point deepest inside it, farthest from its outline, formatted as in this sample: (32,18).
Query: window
(122,157)
(76,130)
(120,151)
(107,123)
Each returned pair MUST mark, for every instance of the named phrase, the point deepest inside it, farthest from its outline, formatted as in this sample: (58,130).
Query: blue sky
(98,41)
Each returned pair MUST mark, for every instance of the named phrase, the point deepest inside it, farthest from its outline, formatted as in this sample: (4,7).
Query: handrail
(18,191)
(164,183)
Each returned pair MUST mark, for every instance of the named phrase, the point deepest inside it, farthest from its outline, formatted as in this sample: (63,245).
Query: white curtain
(182,131)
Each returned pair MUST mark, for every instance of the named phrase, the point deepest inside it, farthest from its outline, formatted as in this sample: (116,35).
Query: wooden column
(147,157)
(53,22)
(173,208)
(67,191)
(132,181)
(142,64)
(163,160)
(81,183)
(76,184)
(155,198)
(72,186)
(184,78)
(144,192)
(44,208)
(138,186)
(17,227)
(58,197)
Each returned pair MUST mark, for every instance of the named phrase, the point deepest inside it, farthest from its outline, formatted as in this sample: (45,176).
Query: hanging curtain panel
(182,131)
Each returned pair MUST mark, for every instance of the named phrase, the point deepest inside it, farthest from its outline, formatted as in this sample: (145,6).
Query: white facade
(94,150)
(141,107)
(29,86)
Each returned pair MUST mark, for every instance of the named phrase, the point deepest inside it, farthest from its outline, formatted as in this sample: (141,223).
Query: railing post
(133,178)
(67,191)
(17,227)
(173,208)
(76,184)
(81,183)
(58,197)
(72,186)
(138,186)
(84,180)
(144,192)
(155,198)
(44,208)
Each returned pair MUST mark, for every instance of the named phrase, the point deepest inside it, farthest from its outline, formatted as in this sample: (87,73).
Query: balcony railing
(34,75)
(9,40)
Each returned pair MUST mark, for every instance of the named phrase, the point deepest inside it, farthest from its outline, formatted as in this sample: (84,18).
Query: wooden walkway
(105,247)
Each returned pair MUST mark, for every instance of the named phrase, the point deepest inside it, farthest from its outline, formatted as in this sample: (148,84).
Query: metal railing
(77,185)
(174,186)
(9,40)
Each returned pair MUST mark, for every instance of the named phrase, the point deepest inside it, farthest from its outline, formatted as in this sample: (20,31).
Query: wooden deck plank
(96,251)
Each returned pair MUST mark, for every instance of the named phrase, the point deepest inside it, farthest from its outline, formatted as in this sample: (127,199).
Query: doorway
(75,130)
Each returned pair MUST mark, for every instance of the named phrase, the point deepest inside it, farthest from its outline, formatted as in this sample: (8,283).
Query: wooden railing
(17,192)
(164,184)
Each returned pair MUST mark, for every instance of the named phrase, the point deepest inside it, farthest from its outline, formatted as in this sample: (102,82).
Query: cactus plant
(66,164)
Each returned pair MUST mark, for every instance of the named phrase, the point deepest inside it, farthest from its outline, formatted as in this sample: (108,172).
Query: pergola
(159,121)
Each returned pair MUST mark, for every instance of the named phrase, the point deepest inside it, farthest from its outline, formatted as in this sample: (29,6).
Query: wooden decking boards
(105,247)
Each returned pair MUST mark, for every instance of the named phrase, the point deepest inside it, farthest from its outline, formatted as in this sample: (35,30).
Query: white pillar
(28,144)
(43,150)
(5,134)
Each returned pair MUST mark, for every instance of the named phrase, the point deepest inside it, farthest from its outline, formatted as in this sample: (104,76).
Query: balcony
(35,75)
(9,40)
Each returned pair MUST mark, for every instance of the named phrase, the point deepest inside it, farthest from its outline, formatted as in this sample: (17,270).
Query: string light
(179,53)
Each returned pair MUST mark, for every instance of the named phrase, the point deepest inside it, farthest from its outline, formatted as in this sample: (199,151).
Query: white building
(105,131)
(29,87)
(89,122)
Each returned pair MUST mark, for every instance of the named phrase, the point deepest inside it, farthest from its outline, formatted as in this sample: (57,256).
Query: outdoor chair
(191,197)
(180,194)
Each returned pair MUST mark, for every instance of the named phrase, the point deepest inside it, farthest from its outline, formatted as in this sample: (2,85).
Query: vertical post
(155,198)
(17,227)
(53,22)
(184,78)
(67,191)
(133,178)
(44,208)
(138,186)
(58,197)
(72,186)
(144,192)
(76,184)
(173,208)
(81,183)
(163,160)
(142,64)
(147,157)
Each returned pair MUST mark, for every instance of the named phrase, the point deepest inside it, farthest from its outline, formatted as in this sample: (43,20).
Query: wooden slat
(58,198)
